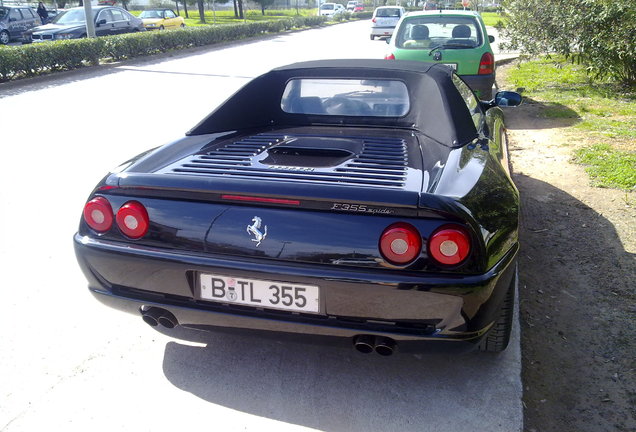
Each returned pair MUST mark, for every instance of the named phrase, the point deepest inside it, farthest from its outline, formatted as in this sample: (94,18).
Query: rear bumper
(481,84)
(419,312)
(382,31)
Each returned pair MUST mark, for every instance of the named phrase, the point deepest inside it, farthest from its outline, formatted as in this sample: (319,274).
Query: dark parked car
(15,22)
(109,20)
(363,201)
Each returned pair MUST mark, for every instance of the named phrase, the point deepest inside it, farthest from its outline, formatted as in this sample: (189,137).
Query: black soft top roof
(437,108)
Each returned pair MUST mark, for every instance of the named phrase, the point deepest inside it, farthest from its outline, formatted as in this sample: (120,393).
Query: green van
(454,38)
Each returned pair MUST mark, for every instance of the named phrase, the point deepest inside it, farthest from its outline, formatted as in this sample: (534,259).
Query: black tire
(498,337)
(4,37)
(162,28)
(372,37)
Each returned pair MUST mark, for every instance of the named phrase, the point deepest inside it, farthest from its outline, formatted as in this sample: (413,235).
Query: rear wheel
(499,335)
(162,28)
(372,37)
(4,37)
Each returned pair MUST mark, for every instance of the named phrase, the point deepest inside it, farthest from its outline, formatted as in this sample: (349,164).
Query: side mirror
(101,22)
(491,38)
(507,98)
(12,19)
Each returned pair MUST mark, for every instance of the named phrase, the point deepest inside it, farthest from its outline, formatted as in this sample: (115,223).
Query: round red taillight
(449,245)
(400,243)
(98,214)
(132,219)
(389,57)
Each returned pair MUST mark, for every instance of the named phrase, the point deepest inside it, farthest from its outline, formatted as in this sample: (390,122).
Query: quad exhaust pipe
(380,344)
(155,316)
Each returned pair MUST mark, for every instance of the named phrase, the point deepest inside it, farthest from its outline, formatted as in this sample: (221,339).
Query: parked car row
(108,20)
(23,24)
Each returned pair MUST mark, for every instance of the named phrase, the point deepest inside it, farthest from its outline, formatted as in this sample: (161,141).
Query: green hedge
(363,15)
(35,59)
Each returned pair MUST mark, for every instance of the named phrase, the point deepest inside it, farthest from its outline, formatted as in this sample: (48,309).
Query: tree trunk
(201,11)
(235,9)
(240,5)
(185,8)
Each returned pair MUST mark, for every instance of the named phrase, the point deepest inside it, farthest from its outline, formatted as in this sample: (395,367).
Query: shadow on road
(537,115)
(340,389)
(576,311)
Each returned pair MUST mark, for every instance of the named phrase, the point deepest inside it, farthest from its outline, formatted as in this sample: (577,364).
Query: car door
(31,19)
(15,25)
(105,23)
(121,23)
(170,19)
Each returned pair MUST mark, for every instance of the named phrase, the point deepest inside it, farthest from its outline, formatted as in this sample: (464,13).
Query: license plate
(453,66)
(260,293)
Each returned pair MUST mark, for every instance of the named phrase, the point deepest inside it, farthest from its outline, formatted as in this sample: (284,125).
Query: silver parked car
(384,20)
(15,22)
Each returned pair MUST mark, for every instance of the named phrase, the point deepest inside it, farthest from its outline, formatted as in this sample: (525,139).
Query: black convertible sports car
(361,201)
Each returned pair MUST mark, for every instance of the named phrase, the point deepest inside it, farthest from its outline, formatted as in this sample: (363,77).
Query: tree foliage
(599,33)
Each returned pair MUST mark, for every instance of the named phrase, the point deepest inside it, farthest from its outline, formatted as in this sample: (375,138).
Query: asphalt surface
(68,363)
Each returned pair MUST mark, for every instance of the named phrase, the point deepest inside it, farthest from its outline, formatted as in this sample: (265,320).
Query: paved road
(68,363)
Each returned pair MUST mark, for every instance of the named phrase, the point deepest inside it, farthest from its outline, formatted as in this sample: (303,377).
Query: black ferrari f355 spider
(362,202)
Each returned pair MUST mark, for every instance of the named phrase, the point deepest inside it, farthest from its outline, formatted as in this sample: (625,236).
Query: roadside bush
(598,33)
(363,15)
(35,59)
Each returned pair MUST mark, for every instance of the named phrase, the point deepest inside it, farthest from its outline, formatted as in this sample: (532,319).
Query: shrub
(35,59)
(598,33)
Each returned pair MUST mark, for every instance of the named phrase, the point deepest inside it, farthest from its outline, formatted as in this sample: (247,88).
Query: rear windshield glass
(346,97)
(388,13)
(327,6)
(454,32)
(3,12)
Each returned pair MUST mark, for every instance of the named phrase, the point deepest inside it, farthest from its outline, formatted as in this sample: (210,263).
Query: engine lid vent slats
(380,162)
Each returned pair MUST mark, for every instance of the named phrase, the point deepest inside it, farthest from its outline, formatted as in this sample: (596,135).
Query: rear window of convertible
(346,97)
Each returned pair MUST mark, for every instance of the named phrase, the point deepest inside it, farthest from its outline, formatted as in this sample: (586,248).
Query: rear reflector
(132,219)
(400,243)
(98,214)
(449,245)
(260,199)
(389,57)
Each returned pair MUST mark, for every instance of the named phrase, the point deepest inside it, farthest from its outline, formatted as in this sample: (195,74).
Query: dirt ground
(577,283)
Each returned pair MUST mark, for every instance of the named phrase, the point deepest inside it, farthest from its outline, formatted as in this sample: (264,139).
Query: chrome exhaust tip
(168,320)
(151,316)
(384,346)
(363,343)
